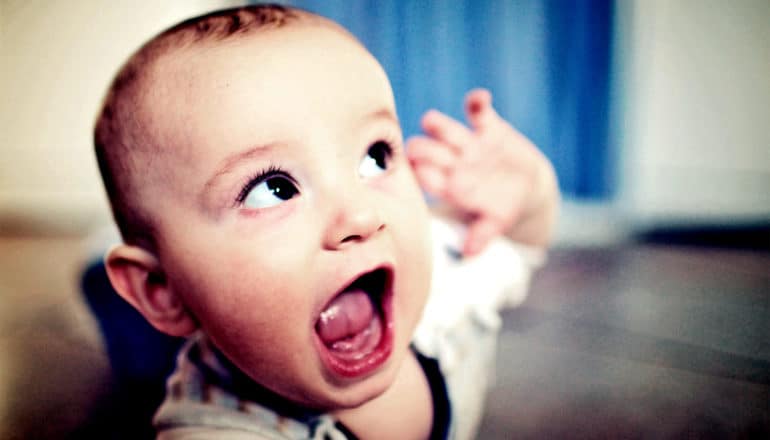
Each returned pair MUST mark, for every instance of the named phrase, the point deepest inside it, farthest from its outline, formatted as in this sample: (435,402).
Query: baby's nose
(356,220)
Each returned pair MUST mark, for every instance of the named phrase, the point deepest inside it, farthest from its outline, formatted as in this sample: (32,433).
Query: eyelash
(393,144)
(389,144)
(274,170)
(260,177)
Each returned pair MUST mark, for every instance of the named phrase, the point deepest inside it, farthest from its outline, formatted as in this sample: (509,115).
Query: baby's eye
(376,160)
(270,192)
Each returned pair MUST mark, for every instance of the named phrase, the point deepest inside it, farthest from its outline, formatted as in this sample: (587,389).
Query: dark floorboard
(645,341)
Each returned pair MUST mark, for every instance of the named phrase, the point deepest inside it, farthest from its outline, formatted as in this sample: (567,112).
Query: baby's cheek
(237,294)
(419,265)
(254,324)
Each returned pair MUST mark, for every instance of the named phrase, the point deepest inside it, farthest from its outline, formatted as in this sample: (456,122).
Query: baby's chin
(341,397)
(357,394)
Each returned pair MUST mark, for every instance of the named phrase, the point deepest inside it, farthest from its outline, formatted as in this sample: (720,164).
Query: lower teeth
(361,344)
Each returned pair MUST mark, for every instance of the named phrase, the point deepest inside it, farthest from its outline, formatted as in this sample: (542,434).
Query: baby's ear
(137,276)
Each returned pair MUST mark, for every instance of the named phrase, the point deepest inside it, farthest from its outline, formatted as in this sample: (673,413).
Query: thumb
(480,232)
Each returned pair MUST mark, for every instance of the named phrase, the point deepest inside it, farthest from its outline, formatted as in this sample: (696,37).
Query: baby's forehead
(217,90)
(311,32)
(265,61)
(215,60)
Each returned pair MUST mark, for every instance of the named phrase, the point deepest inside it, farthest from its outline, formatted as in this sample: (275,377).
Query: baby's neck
(404,411)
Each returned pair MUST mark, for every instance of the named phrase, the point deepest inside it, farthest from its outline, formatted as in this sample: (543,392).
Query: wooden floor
(639,341)
(53,370)
(642,341)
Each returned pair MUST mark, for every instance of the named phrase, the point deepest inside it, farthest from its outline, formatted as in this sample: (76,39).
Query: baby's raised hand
(489,175)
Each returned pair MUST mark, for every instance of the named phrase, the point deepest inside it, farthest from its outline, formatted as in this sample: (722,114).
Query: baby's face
(288,219)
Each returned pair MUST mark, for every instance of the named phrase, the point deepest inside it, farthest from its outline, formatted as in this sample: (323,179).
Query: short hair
(121,142)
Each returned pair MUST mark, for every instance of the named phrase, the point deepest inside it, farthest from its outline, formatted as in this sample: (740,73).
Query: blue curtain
(546,62)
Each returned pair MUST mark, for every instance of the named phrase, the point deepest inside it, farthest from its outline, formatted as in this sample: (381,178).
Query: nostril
(350,238)
(359,237)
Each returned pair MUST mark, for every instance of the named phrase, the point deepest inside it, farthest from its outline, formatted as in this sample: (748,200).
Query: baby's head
(255,166)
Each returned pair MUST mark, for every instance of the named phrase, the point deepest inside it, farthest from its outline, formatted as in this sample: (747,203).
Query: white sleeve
(477,287)
(461,321)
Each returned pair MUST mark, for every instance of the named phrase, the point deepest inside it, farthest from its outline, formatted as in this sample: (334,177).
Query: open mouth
(355,328)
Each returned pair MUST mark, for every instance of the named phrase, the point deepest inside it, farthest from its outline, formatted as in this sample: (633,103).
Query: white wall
(56,60)
(695,133)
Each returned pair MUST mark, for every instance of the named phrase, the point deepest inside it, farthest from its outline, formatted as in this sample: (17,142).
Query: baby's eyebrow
(230,162)
(382,113)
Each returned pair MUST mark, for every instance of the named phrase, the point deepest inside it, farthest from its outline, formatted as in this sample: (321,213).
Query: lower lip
(356,368)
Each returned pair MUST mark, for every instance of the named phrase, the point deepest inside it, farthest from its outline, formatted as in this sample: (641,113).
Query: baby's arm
(488,175)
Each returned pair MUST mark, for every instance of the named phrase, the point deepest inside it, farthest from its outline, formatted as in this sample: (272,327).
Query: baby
(271,212)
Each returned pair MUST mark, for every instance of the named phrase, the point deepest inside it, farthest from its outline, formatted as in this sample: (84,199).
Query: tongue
(347,315)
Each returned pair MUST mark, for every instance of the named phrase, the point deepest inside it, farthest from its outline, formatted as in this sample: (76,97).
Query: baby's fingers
(427,151)
(445,129)
(431,178)
(479,110)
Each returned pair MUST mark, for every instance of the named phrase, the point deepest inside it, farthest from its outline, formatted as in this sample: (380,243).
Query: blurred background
(654,113)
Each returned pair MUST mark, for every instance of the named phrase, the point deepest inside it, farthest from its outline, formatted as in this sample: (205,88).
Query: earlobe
(138,277)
